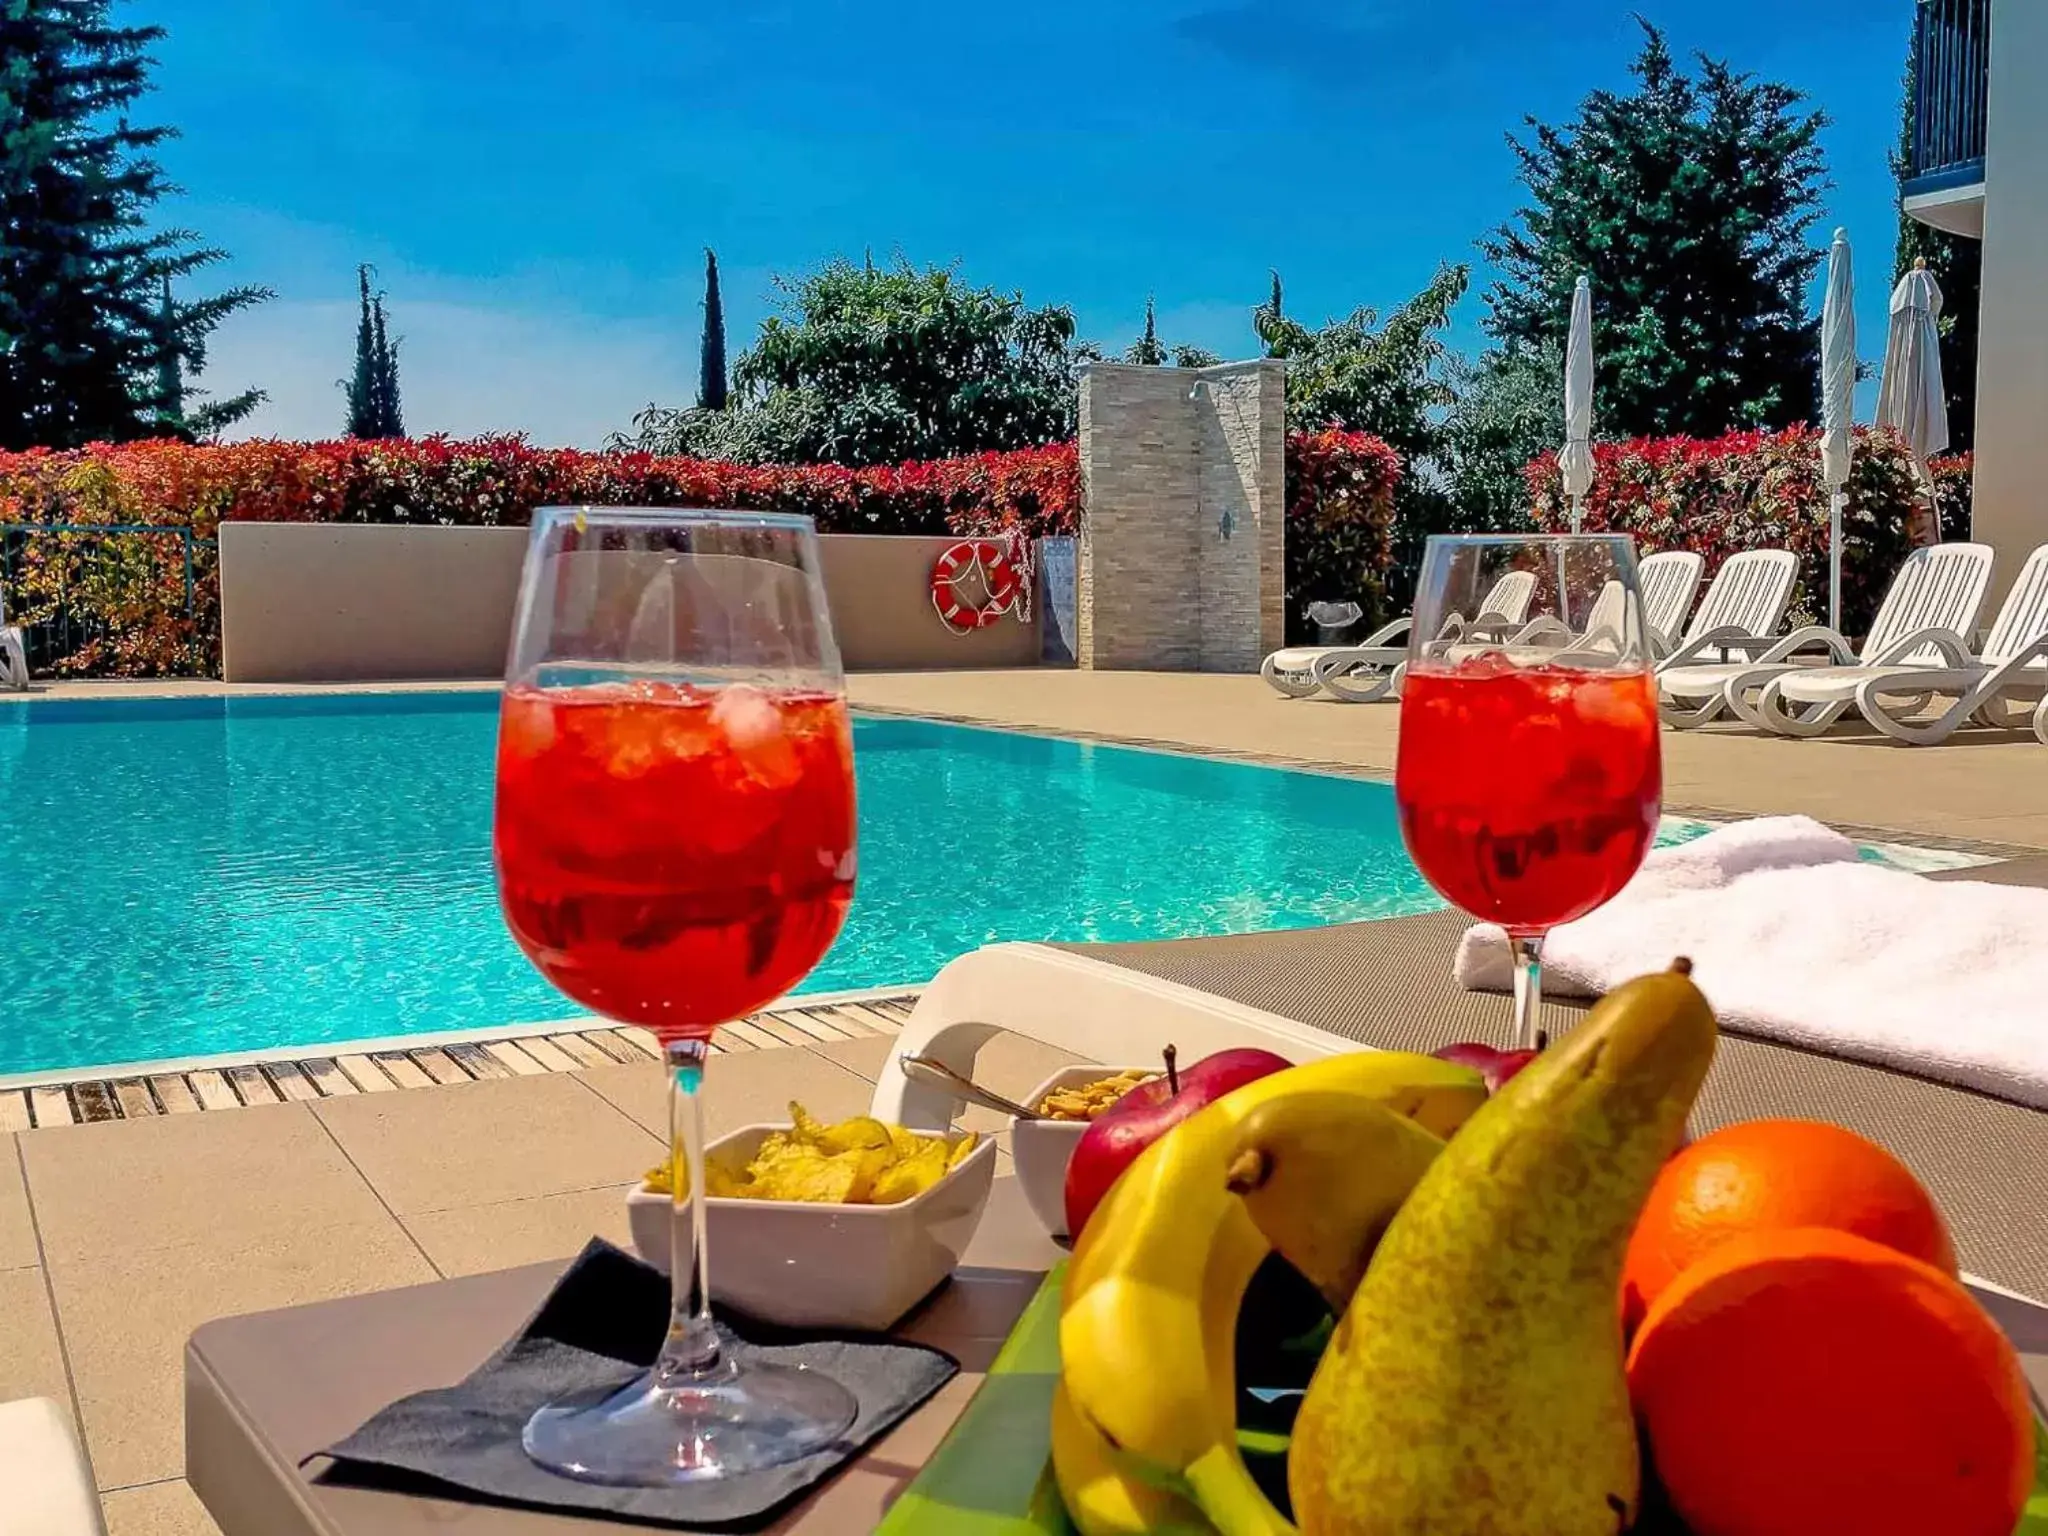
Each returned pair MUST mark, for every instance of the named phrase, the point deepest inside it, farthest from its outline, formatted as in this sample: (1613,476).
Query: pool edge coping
(220,1061)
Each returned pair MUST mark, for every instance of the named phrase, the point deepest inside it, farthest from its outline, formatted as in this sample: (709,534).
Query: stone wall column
(1183,542)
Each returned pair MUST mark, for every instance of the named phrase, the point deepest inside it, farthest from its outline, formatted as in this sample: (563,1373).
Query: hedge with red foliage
(1759,490)
(1340,523)
(121,597)
(116,602)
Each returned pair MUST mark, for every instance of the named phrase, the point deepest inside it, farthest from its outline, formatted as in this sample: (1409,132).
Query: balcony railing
(1951,85)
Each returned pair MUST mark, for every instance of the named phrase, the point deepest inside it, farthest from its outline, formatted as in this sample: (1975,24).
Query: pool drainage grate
(91,1099)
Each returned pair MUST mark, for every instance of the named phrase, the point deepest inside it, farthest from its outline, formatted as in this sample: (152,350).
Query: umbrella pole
(1577,512)
(1835,561)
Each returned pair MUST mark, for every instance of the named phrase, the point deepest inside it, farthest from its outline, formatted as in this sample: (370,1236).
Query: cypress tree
(390,414)
(372,390)
(1146,350)
(86,336)
(711,386)
(360,388)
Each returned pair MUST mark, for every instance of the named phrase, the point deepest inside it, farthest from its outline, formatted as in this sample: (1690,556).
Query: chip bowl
(1041,1149)
(804,1264)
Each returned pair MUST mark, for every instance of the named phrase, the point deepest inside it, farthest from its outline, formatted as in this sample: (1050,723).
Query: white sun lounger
(1360,674)
(2014,661)
(1937,588)
(13,652)
(1668,580)
(45,1486)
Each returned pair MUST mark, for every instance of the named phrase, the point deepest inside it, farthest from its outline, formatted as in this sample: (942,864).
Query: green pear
(1322,1174)
(1474,1386)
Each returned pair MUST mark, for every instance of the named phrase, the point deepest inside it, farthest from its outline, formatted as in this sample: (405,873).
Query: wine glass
(675,847)
(1529,773)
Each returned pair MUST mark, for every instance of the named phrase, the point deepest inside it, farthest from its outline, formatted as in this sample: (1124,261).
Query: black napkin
(603,1323)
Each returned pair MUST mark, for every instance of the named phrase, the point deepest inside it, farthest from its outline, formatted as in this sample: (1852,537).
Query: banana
(1101,1498)
(1148,1318)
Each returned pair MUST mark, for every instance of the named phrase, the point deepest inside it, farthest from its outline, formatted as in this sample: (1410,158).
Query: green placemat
(992,1476)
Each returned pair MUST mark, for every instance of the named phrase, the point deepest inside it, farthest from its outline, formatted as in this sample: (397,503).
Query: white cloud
(464,368)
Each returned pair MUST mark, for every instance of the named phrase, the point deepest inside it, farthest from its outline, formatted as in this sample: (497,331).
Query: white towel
(1793,939)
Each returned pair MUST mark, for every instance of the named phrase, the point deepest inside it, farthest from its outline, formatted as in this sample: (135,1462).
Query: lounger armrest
(44,1485)
(1388,634)
(1812,635)
(1720,641)
(2027,657)
(1086,1008)
(1953,648)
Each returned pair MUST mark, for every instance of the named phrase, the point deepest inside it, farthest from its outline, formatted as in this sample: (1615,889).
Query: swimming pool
(184,877)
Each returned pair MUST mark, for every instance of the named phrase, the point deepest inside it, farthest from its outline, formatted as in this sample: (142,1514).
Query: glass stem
(1528,951)
(691,1354)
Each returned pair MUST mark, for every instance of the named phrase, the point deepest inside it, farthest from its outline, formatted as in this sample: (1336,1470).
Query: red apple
(1493,1064)
(1148,1112)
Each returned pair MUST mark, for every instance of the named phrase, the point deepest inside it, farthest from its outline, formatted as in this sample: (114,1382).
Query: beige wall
(1182,559)
(2011,492)
(305,602)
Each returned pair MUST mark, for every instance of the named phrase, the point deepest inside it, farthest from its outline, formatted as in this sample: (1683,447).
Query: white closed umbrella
(1837,405)
(1575,459)
(1911,400)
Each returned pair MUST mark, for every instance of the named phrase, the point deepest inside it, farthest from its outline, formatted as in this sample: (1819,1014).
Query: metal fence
(1951,87)
(56,620)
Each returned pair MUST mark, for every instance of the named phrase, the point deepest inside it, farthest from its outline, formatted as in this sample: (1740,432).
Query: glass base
(739,1420)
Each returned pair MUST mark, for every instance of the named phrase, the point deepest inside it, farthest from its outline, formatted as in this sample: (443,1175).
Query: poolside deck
(119,1235)
(1983,790)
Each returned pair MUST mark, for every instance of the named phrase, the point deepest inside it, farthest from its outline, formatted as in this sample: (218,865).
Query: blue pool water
(184,877)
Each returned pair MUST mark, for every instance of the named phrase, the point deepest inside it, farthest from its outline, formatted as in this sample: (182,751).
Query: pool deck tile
(472,1239)
(169,1508)
(126,1313)
(18,1247)
(508,1139)
(744,1089)
(189,1182)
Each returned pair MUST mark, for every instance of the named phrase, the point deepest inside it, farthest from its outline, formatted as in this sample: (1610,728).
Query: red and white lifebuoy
(1000,579)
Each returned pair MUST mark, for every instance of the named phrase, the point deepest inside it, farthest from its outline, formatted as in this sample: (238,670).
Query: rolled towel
(1794,939)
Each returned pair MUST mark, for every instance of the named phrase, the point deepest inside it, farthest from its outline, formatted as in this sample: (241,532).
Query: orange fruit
(1765,1175)
(1812,1381)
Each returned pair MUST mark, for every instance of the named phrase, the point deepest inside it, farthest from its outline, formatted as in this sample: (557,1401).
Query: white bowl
(1041,1149)
(803,1264)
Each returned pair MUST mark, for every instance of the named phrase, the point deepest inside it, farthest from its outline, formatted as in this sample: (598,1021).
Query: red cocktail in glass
(671,856)
(675,848)
(1529,775)
(1528,796)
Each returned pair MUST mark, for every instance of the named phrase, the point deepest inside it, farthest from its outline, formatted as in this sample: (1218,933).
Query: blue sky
(536,181)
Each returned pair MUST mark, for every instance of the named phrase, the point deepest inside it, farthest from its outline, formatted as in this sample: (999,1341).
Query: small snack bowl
(1041,1149)
(808,1264)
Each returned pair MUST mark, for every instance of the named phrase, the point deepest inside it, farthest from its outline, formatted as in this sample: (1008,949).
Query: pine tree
(1689,201)
(85,332)
(170,378)
(711,386)
(1957,263)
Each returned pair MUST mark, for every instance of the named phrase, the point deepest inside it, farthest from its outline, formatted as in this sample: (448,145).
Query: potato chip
(859,1161)
(856,1134)
(913,1176)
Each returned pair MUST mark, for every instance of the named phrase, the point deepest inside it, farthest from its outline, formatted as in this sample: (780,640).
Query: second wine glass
(1529,774)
